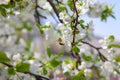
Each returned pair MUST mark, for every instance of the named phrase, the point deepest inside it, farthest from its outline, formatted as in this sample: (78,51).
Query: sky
(112,26)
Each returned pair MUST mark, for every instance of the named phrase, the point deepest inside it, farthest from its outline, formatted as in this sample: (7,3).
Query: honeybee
(75,0)
(60,41)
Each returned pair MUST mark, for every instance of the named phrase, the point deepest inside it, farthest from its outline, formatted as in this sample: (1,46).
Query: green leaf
(116,70)
(40,28)
(3,57)
(78,41)
(49,52)
(111,38)
(62,8)
(117,58)
(28,45)
(22,67)
(82,21)
(57,55)
(55,62)
(86,58)
(11,4)
(3,12)
(77,32)
(11,71)
(67,73)
(82,26)
(75,49)
(114,45)
(26,26)
(68,61)
(18,0)
(108,11)
(79,76)
(45,71)
(70,4)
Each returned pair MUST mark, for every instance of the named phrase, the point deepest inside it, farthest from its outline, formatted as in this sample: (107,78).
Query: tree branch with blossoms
(20,55)
(37,15)
(103,58)
(77,56)
(37,76)
(55,10)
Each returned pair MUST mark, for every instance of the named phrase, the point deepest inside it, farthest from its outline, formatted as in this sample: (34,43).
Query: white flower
(66,67)
(47,6)
(107,67)
(4,1)
(64,16)
(97,9)
(66,35)
(22,42)
(16,12)
(48,23)
(61,26)
(87,72)
(34,66)
(17,58)
(105,43)
(83,5)
(83,65)
(74,72)
(64,1)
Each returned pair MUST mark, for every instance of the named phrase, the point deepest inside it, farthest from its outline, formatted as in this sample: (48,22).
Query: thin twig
(103,58)
(36,14)
(38,77)
(76,55)
(91,45)
(55,10)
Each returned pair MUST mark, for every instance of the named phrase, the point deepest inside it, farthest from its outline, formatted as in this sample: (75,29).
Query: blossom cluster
(26,48)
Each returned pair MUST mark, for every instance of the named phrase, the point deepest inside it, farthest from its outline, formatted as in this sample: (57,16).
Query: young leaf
(22,67)
(3,57)
(79,76)
(86,58)
(55,62)
(70,4)
(49,52)
(68,60)
(82,21)
(3,12)
(116,70)
(75,49)
(11,71)
(62,8)
(45,71)
(111,38)
(57,55)
(114,45)
(117,58)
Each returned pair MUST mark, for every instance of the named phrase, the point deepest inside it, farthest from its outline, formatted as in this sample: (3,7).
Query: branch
(55,10)
(38,77)
(103,58)
(36,13)
(97,48)
(5,35)
(59,2)
(76,55)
